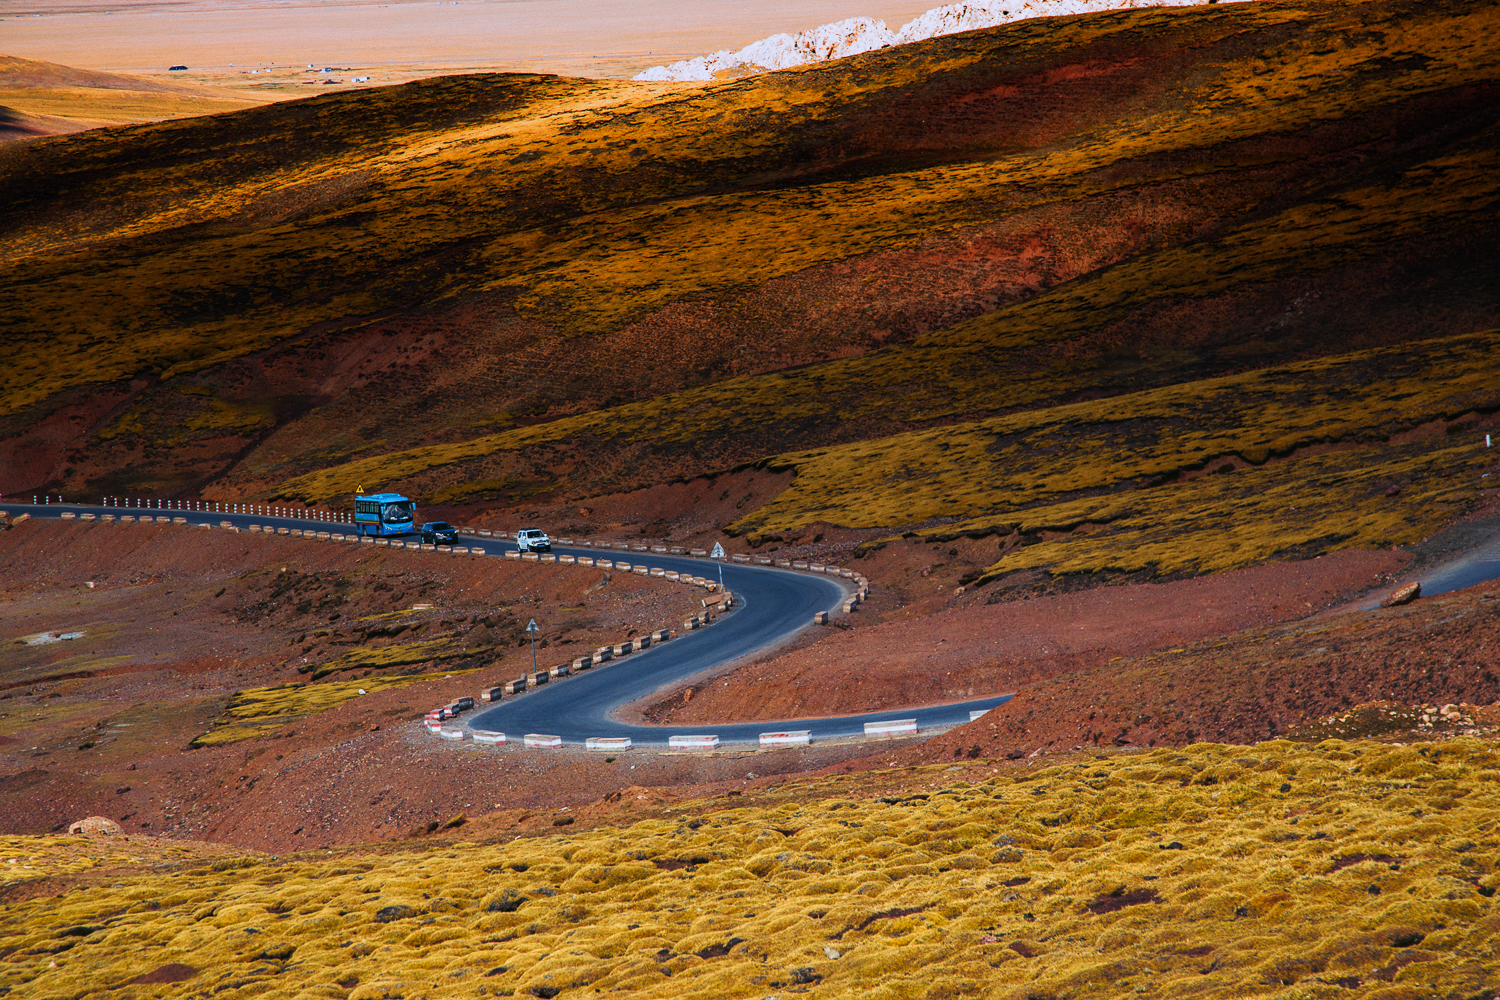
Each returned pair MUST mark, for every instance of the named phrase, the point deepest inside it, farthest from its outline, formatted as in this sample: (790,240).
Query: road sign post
(532,630)
(718,554)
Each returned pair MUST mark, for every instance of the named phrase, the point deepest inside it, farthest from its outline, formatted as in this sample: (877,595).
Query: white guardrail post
(891,727)
(790,738)
(693,742)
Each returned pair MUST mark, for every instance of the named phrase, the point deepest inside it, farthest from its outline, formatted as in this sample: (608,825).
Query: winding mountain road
(772,605)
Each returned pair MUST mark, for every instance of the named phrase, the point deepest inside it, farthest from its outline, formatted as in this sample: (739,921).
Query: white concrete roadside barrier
(624,648)
(662,635)
(561,670)
(603,654)
(68,515)
(539,678)
(487,736)
(693,742)
(323,536)
(566,560)
(547,557)
(585,560)
(659,548)
(697,552)
(623,567)
(642,570)
(978,713)
(531,556)
(891,727)
(460,550)
(609,744)
(821,618)
(762,560)
(367,541)
(517,686)
(790,738)
(432,726)
(670,574)
(799,565)
(644,642)
(604,564)
(512,555)
(691,624)
(583,662)
(739,558)
(492,693)
(451,734)
(540,741)
(658,572)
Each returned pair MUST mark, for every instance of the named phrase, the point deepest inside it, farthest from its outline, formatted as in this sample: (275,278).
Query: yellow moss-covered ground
(256,711)
(1276,870)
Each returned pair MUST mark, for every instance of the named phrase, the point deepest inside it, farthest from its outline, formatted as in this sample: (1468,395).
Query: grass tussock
(1276,870)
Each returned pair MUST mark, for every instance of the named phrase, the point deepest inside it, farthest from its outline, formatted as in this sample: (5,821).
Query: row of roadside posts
(532,629)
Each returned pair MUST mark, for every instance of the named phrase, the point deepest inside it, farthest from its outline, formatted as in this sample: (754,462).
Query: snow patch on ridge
(865,34)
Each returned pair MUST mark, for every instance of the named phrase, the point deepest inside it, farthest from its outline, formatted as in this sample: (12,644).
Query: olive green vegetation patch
(1109,466)
(399,655)
(258,711)
(1278,870)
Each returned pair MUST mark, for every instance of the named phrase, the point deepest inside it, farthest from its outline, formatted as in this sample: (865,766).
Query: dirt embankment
(1255,685)
(980,650)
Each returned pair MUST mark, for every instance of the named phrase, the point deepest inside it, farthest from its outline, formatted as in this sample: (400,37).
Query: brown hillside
(1004,220)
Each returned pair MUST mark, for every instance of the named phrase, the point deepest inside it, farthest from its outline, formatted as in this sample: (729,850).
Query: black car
(439,533)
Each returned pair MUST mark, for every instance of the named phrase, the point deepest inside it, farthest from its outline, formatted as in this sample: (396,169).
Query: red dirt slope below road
(1255,686)
(983,650)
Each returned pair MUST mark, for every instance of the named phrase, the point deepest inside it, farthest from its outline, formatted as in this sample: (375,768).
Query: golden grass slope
(1277,870)
(994,362)
(591,203)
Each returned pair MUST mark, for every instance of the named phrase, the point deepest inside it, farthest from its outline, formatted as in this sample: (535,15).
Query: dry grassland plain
(1276,870)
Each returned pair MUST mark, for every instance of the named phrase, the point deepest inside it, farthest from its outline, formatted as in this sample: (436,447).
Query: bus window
(395,512)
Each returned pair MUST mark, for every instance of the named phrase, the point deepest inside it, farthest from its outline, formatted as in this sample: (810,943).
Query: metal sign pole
(718,554)
(532,629)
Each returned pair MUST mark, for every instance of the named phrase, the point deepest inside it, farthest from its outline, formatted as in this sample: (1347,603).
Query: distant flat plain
(396,41)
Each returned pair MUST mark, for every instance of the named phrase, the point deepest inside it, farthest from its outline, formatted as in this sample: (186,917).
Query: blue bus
(381,514)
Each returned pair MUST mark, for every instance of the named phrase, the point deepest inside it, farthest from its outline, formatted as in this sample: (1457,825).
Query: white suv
(533,540)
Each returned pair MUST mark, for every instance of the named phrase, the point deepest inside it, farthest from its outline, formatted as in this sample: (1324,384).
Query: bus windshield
(393,512)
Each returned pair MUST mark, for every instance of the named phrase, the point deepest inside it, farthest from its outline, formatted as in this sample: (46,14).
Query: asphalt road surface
(772,605)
